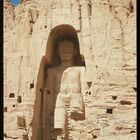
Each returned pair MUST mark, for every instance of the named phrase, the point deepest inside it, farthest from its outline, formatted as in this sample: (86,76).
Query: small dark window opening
(114,97)
(89,84)
(109,110)
(135,89)
(49,92)
(12,95)
(5,135)
(131,7)
(5,109)
(19,100)
(31,85)
(89,9)
(94,136)
(123,102)
(89,93)
(25,137)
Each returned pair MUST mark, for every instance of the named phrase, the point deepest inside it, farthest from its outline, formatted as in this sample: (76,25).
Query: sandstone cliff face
(107,36)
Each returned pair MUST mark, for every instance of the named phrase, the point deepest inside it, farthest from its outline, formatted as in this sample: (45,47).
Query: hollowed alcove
(59,33)
(49,82)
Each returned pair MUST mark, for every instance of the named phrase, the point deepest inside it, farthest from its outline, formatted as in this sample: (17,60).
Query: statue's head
(66,50)
(66,47)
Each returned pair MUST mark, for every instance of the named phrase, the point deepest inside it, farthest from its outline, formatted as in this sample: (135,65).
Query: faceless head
(66,50)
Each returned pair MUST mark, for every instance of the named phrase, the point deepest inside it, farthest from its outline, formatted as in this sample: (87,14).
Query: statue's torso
(60,80)
(66,78)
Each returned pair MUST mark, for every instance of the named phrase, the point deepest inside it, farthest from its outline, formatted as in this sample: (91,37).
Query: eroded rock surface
(107,35)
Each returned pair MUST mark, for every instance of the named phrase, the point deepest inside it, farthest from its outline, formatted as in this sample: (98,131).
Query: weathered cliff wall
(107,36)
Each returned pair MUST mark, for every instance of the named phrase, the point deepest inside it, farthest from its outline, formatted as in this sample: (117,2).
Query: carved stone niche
(59,99)
(59,33)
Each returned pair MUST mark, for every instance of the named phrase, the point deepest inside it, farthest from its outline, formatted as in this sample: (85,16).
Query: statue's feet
(77,115)
(58,131)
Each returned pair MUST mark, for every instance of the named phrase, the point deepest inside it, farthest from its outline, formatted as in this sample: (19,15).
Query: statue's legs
(68,123)
(62,119)
(65,134)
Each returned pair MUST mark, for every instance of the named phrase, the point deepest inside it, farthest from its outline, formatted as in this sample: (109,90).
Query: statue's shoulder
(76,69)
(79,68)
(53,70)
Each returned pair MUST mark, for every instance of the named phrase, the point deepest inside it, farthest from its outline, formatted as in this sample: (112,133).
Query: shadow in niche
(50,74)
(58,71)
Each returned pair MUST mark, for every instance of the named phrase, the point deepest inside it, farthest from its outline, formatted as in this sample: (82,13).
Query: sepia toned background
(106,31)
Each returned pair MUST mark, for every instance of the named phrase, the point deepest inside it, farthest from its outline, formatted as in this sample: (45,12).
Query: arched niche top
(58,33)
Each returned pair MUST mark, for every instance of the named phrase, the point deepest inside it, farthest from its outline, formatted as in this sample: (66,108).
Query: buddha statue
(61,99)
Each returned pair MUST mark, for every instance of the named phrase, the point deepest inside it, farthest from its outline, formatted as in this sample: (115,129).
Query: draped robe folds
(39,101)
(69,98)
(46,94)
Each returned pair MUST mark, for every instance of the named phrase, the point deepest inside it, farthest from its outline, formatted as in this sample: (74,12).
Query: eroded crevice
(130,10)
(21,58)
(19,82)
(7,136)
(131,7)
(114,12)
(80,17)
(89,9)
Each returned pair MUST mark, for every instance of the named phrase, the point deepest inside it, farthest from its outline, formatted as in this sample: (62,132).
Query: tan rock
(106,31)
